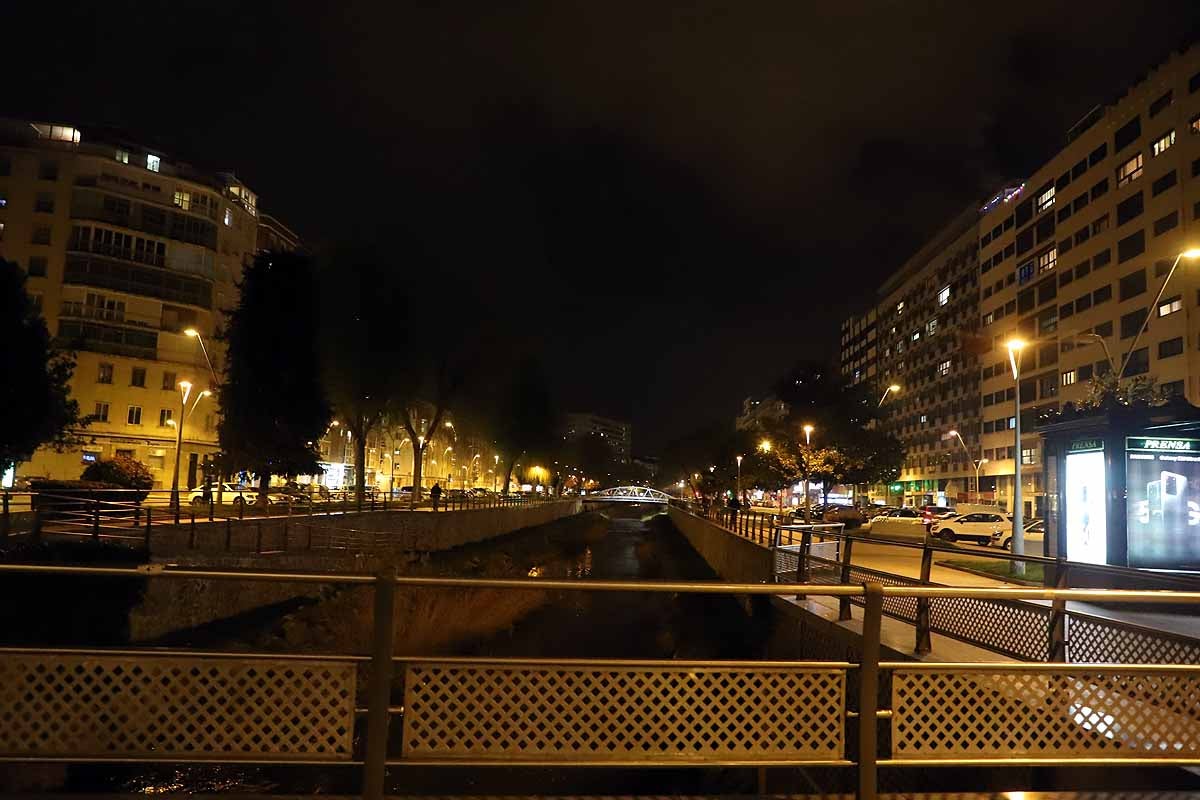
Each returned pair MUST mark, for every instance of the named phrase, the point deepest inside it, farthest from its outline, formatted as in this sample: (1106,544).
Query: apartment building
(132,256)
(616,434)
(1071,265)
(859,356)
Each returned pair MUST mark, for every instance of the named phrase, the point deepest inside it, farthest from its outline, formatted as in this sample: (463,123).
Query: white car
(982,527)
(226,493)
(1035,534)
(901,521)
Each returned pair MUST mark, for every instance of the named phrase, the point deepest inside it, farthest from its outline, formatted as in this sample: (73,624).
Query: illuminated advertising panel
(1163,502)
(1086,503)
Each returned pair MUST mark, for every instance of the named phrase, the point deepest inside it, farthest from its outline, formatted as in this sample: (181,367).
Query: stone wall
(729,555)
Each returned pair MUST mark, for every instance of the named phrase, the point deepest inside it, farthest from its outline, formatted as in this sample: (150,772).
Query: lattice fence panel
(1093,640)
(903,607)
(622,713)
(983,714)
(787,564)
(93,706)
(1020,630)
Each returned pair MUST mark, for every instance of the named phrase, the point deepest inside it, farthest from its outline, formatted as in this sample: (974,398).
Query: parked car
(900,521)
(227,493)
(850,515)
(1035,533)
(479,491)
(980,527)
(456,494)
(939,512)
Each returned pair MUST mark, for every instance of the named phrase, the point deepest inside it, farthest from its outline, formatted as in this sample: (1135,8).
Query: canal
(636,543)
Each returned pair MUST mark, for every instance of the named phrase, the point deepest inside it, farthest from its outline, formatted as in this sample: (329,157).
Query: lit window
(153,162)
(944,296)
(123,156)
(900,308)
(1047,260)
(1028,455)
(58,133)
(1068,377)
(228,217)
(164,416)
(931,326)
(1162,144)
(1169,307)
(1131,170)
(183,200)
(924,419)
(944,368)
(1045,200)
(916,337)
(989,318)
(1194,125)
(1025,272)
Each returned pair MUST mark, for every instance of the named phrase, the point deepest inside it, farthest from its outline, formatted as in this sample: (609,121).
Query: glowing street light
(192,333)
(739,478)
(976,463)
(1191,254)
(185,391)
(895,387)
(1015,346)
(808,429)
(765,445)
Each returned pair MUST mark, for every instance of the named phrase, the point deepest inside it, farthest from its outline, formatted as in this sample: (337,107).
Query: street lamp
(976,463)
(808,429)
(895,387)
(1191,255)
(739,479)
(765,445)
(185,391)
(195,334)
(1015,346)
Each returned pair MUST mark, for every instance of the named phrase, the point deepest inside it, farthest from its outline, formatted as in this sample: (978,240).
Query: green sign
(1085,445)
(897,487)
(1154,444)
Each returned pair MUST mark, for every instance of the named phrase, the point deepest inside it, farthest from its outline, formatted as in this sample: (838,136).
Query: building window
(1167,223)
(183,200)
(37,266)
(1133,284)
(122,156)
(931,326)
(41,234)
(1129,208)
(1101,295)
(1162,144)
(1173,389)
(1085,372)
(1194,124)
(228,217)
(1161,103)
(134,416)
(944,368)
(105,373)
(1130,171)
(1104,329)
(1028,455)
(1100,225)
(1044,200)
(1025,272)
(44,203)
(137,377)
(1047,260)
(899,308)
(1139,362)
(1131,246)
(48,171)
(164,416)
(101,413)
(168,381)
(916,337)
(943,295)
(1171,347)
(1132,322)
(1162,184)
(153,162)
(1068,377)
(1127,134)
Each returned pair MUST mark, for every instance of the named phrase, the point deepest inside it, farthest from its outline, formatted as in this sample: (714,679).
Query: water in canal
(628,543)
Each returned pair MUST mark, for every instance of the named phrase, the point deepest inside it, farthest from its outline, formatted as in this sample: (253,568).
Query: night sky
(674,201)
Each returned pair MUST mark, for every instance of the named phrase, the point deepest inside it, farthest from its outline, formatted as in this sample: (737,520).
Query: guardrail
(1032,632)
(133,516)
(176,706)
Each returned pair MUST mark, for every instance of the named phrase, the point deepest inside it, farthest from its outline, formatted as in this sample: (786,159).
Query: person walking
(435,494)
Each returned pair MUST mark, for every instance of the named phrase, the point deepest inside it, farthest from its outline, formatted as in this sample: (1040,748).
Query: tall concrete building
(1073,262)
(129,253)
(616,434)
(919,337)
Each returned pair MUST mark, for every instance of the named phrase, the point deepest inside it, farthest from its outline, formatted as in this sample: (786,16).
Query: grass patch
(1001,569)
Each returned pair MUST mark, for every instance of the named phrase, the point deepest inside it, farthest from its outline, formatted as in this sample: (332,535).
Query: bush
(128,473)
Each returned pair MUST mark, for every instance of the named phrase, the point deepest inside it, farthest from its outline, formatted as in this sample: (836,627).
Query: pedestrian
(435,494)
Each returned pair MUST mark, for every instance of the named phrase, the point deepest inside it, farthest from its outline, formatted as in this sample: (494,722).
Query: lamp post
(195,334)
(495,471)
(1015,346)
(808,429)
(185,391)
(895,387)
(1188,254)
(976,463)
(739,479)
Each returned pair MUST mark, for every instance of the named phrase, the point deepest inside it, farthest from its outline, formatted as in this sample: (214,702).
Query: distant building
(648,464)
(618,435)
(128,251)
(758,413)
(274,235)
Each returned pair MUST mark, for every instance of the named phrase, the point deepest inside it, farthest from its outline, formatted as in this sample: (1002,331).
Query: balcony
(126,253)
(76,310)
(102,338)
(148,281)
(147,216)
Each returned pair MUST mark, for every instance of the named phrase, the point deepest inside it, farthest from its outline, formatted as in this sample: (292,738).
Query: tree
(1105,390)
(363,335)
(36,398)
(123,471)
(524,416)
(273,407)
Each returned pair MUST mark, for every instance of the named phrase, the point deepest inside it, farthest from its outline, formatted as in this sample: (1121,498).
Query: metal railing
(235,525)
(146,705)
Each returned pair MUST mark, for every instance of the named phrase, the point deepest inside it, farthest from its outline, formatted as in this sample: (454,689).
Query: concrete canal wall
(730,556)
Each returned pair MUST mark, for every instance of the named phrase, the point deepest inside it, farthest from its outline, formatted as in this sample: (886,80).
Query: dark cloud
(700,190)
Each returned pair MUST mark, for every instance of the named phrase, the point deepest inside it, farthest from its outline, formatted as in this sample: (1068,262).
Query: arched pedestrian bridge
(628,494)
